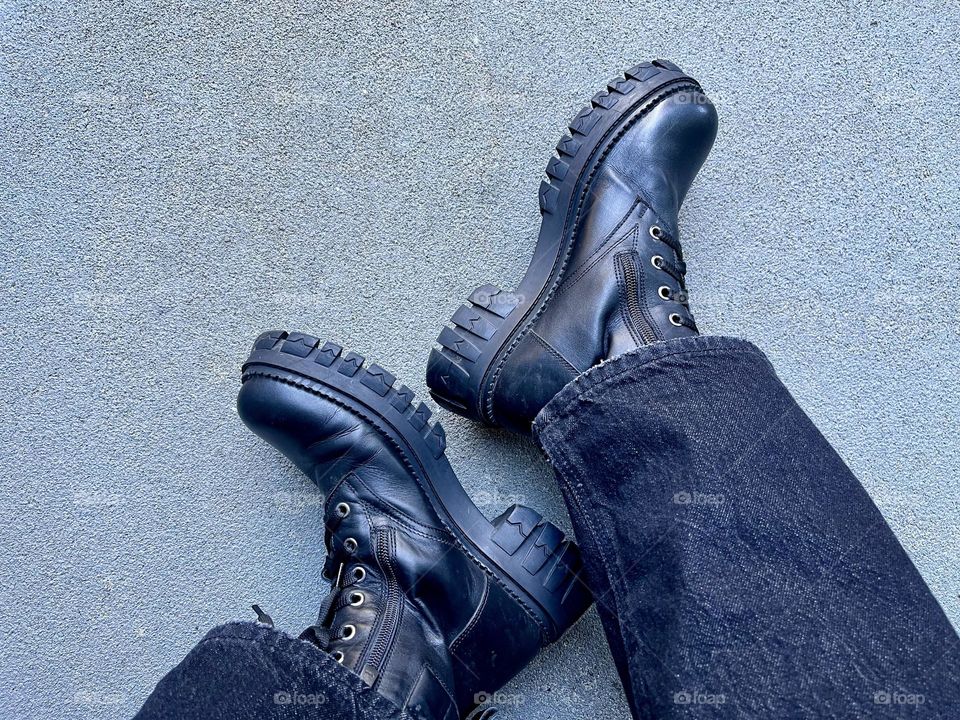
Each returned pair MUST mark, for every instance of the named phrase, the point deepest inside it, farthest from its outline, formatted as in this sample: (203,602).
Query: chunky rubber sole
(463,369)
(528,555)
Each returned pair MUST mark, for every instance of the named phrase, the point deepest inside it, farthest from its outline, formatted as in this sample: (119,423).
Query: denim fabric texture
(740,569)
(244,671)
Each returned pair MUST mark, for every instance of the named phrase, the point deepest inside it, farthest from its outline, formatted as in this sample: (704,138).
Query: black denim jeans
(245,671)
(740,569)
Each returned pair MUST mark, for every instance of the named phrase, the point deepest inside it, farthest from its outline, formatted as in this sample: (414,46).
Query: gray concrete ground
(178,176)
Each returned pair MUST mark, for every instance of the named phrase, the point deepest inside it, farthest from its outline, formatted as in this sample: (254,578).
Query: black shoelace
(323,633)
(678,271)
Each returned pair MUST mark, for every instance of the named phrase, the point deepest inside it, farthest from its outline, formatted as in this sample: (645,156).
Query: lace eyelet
(359,574)
(350,545)
(675,320)
(357,599)
(338,656)
(349,635)
(657,262)
(656,232)
(343,509)
(664,292)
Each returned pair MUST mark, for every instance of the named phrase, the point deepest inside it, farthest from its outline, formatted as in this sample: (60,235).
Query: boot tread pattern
(586,120)
(377,379)
(540,547)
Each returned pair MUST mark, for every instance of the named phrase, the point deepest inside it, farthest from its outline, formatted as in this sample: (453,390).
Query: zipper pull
(369,674)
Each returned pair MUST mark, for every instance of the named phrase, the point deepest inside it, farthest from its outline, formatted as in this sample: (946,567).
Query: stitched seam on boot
(408,522)
(425,668)
(553,351)
(577,273)
(382,596)
(413,686)
(476,616)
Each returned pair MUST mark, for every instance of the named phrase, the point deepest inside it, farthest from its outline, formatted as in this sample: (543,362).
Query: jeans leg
(740,569)
(243,671)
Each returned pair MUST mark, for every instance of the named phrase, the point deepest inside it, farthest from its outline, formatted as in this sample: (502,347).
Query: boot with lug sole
(431,604)
(607,273)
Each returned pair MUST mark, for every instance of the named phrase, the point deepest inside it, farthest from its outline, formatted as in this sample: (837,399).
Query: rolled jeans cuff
(646,368)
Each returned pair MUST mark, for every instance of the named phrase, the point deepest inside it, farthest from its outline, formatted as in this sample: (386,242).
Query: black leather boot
(430,604)
(607,274)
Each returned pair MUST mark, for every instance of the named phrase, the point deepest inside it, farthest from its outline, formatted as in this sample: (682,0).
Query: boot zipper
(389,623)
(636,316)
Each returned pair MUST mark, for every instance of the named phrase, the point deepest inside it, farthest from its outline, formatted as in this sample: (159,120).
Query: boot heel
(544,563)
(456,370)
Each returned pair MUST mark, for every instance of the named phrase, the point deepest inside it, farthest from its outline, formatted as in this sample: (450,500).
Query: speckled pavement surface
(178,176)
